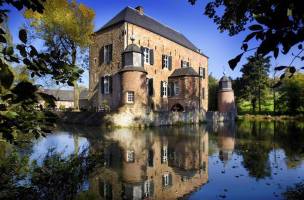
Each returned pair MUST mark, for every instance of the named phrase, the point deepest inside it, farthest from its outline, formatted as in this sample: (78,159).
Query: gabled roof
(132,16)
(66,95)
(61,95)
(188,71)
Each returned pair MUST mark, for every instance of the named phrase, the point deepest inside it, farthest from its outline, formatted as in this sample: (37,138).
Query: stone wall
(131,119)
(164,46)
(220,116)
(119,37)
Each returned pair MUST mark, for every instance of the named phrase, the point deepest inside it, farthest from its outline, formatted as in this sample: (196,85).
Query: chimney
(140,10)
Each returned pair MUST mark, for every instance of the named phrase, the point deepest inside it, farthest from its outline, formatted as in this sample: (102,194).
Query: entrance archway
(177,108)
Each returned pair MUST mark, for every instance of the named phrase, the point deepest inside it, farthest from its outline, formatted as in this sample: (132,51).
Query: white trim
(130,97)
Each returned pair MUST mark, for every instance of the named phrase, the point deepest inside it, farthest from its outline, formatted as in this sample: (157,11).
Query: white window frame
(185,64)
(176,88)
(146,55)
(166,179)
(166,62)
(130,156)
(165,89)
(130,97)
(147,185)
(165,154)
(106,85)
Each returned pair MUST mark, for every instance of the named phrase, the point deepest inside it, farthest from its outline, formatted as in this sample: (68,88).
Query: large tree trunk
(76,90)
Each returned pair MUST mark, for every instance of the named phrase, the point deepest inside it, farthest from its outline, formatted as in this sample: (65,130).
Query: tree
(212,93)
(255,80)
(64,25)
(276,24)
(19,111)
(291,98)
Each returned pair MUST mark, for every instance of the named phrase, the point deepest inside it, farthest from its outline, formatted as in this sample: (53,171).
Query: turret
(226,101)
(133,79)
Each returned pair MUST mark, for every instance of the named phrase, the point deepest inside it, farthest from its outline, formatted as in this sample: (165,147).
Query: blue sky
(181,16)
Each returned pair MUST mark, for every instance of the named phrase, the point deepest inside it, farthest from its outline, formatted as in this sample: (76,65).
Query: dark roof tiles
(132,16)
(189,71)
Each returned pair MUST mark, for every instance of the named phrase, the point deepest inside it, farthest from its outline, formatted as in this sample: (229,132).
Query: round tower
(226,101)
(133,79)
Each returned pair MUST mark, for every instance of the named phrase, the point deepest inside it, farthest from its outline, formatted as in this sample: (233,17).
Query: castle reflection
(143,164)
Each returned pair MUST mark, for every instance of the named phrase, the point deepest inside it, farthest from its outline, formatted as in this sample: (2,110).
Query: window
(146,55)
(106,84)
(202,72)
(130,156)
(164,154)
(203,93)
(130,97)
(150,86)
(176,88)
(105,54)
(165,62)
(147,190)
(185,64)
(164,88)
(167,179)
(95,61)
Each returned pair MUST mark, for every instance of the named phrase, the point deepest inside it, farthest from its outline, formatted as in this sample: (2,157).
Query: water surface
(252,160)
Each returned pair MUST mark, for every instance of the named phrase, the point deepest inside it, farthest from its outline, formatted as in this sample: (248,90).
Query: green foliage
(65,25)
(276,25)
(291,99)
(19,110)
(212,93)
(254,81)
(57,177)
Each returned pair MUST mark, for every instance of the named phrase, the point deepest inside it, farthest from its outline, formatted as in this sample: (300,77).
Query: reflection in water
(150,164)
(252,160)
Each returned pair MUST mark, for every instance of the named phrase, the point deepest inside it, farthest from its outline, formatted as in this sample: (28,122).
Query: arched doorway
(177,108)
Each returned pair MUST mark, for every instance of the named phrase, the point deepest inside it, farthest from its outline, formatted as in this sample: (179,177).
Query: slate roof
(132,16)
(66,95)
(61,95)
(188,71)
(132,48)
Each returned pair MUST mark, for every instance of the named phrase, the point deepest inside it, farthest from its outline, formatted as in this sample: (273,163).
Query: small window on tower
(130,97)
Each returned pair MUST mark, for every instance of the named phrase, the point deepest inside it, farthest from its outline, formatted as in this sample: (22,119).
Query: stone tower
(226,101)
(133,80)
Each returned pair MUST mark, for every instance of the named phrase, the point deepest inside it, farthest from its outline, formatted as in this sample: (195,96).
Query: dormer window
(185,64)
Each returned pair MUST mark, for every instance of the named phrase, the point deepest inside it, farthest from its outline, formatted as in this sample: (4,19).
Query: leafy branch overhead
(276,25)
(19,107)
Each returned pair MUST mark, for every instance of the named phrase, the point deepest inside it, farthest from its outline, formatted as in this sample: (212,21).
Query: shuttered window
(105,54)
(106,85)
(164,88)
(148,55)
(166,62)
(185,64)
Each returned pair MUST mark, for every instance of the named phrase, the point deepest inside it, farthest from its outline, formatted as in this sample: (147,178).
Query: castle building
(139,64)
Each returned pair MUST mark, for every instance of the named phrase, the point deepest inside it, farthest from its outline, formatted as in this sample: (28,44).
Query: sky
(180,16)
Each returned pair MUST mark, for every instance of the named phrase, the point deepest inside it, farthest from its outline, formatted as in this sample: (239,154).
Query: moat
(252,160)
